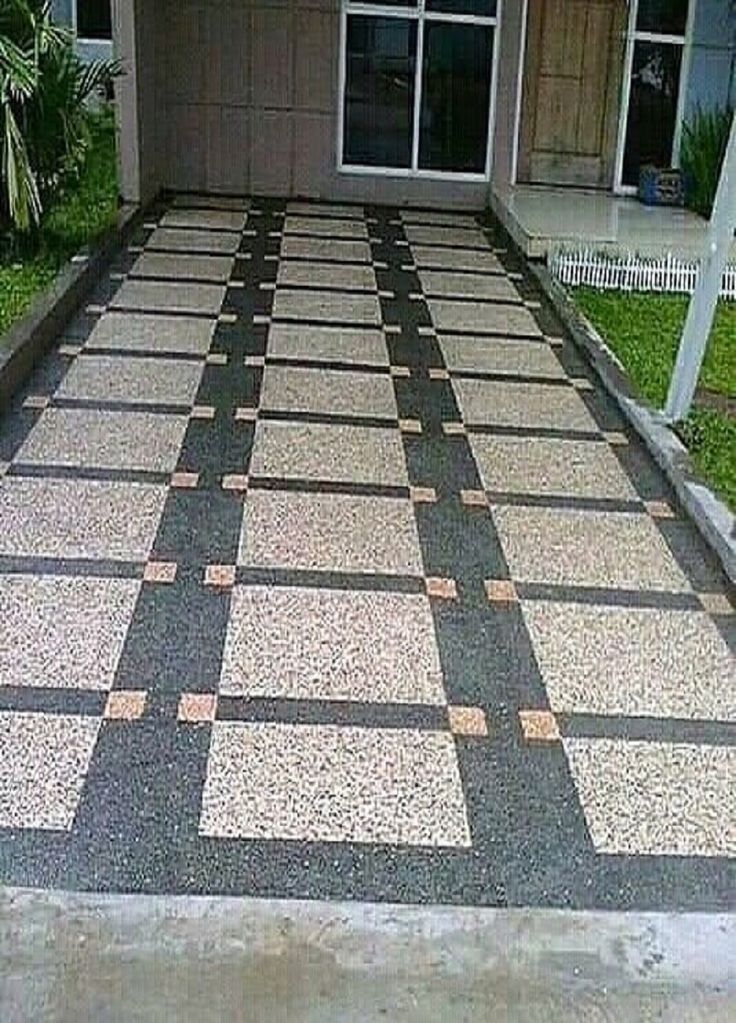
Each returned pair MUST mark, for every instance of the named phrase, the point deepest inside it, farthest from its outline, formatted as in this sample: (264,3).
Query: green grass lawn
(84,209)
(644,331)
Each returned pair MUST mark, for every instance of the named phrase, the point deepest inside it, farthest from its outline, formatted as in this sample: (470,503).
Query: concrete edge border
(712,517)
(29,338)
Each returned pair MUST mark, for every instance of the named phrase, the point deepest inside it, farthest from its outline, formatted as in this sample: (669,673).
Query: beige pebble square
(501,591)
(197,708)
(443,589)
(410,426)
(716,603)
(234,481)
(539,726)
(400,371)
(660,509)
(423,495)
(467,721)
(246,414)
(159,572)
(203,412)
(125,705)
(453,429)
(220,576)
(184,480)
(474,498)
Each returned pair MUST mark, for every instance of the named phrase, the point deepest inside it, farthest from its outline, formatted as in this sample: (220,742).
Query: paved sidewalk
(328,572)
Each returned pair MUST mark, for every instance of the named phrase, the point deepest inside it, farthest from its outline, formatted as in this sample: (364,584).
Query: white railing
(632,273)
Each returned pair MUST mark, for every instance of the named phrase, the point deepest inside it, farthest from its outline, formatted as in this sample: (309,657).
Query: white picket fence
(632,273)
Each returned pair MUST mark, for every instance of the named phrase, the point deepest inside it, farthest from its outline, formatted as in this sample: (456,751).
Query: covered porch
(542,219)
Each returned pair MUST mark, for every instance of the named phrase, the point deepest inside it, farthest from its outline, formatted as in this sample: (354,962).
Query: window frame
(634,36)
(421,15)
(90,40)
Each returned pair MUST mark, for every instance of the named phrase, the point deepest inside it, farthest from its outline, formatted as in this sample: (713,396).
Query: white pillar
(701,313)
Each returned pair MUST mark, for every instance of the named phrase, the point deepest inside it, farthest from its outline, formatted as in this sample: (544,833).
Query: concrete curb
(714,520)
(29,338)
(207,959)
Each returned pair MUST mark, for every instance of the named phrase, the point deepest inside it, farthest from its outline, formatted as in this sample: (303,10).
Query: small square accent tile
(227,318)
(443,589)
(234,481)
(36,401)
(501,591)
(423,495)
(436,373)
(254,360)
(261,318)
(216,359)
(159,572)
(125,705)
(581,383)
(467,721)
(660,509)
(221,576)
(197,708)
(716,603)
(246,415)
(400,371)
(616,438)
(453,429)
(425,331)
(530,303)
(95,310)
(386,294)
(539,726)
(392,328)
(71,350)
(474,498)
(410,426)
(185,480)
(203,412)
(556,342)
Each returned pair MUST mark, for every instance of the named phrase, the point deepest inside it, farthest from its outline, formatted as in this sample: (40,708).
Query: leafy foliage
(44,116)
(704,143)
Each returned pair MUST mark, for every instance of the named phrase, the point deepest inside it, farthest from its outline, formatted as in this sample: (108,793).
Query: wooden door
(572,88)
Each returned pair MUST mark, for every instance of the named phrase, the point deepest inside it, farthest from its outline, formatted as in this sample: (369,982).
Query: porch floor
(327,570)
(541,219)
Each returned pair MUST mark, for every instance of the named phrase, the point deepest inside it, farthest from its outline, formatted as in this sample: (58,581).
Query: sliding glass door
(417,84)
(653,87)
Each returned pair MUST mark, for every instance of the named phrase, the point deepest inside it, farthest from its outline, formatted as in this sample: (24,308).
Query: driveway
(329,571)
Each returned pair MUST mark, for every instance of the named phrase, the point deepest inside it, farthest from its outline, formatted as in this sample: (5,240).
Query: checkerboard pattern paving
(327,570)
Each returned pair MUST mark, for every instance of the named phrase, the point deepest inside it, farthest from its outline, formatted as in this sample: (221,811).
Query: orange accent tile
(246,415)
(660,509)
(392,328)
(581,384)
(227,318)
(467,721)
(425,331)
(423,495)
(197,708)
(443,589)
(36,401)
(221,576)
(233,481)
(556,342)
(255,360)
(615,437)
(95,310)
(159,572)
(216,359)
(539,726)
(474,498)
(71,350)
(716,603)
(185,480)
(437,373)
(501,591)
(386,294)
(453,429)
(203,412)
(400,371)
(410,426)
(125,705)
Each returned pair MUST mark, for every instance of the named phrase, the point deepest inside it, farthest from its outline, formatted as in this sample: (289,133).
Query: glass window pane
(93,19)
(484,8)
(667,17)
(456,89)
(379,91)
(655,88)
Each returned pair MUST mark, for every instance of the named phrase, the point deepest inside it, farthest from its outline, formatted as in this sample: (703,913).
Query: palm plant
(44,89)
(704,144)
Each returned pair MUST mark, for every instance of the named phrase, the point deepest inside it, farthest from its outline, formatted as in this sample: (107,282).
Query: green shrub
(704,143)
(44,118)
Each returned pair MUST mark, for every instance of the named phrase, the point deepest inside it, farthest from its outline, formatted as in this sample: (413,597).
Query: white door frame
(421,16)
(632,37)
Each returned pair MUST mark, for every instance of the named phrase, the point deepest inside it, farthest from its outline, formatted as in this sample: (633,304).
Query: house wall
(247,101)
(714,49)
